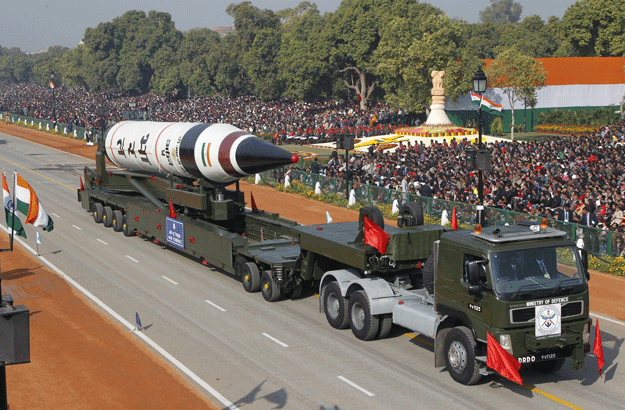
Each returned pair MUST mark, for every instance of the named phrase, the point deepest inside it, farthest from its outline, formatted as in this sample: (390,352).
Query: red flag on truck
(498,359)
(454,220)
(375,236)
(254,207)
(172,213)
(598,348)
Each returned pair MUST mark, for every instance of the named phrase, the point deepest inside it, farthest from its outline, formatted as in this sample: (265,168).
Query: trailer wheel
(372,212)
(250,277)
(412,214)
(107,217)
(386,323)
(460,356)
(98,212)
(118,220)
(547,367)
(335,306)
(428,274)
(364,325)
(269,288)
(125,229)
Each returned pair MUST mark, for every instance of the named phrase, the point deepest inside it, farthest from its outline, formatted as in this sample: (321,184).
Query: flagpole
(13,213)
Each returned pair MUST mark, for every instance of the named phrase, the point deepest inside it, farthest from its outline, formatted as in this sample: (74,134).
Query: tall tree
(502,12)
(408,53)
(596,28)
(531,37)
(303,59)
(195,54)
(518,76)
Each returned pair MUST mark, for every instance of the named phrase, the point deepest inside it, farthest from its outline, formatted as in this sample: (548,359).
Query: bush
(496,128)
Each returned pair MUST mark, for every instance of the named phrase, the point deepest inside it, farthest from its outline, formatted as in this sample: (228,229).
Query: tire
(269,288)
(460,356)
(547,367)
(118,220)
(364,325)
(107,218)
(373,213)
(412,213)
(386,324)
(335,306)
(250,277)
(125,229)
(98,212)
(428,274)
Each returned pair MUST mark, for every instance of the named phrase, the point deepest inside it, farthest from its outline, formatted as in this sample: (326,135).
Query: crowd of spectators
(577,179)
(285,120)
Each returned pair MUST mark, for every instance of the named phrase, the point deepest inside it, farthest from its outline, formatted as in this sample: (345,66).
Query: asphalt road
(258,355)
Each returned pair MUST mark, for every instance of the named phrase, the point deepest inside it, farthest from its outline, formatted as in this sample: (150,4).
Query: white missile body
(221,153)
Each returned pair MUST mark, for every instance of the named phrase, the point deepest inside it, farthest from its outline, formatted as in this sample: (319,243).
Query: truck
(526,285)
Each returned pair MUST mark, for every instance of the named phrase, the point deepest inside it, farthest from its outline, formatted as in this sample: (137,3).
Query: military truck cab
(526,285)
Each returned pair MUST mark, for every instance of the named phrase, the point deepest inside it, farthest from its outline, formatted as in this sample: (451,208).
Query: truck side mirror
(473,273)
(584,254)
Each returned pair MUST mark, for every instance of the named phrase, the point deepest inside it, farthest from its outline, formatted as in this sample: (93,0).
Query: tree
(595,28)
(303,59)
(518,76)
(502,12)
(531,37)
(408,53)
(195,54)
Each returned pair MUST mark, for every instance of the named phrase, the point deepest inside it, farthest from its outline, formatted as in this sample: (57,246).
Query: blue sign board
(175,233)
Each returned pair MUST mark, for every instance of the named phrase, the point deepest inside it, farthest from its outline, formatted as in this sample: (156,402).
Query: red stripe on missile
(224,153)
(156,147)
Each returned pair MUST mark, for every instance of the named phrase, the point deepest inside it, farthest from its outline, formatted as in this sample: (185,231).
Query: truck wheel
(428,274)
(294,293)
(364,325)
(386,323)
(98,212)
(107,217)
(118,220)
(547,367)
(269,288)
(460,356)
(125,229)
(250,277)
(335,306)
(412,213)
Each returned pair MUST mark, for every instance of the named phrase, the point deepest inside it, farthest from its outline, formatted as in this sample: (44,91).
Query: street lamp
(482,159)
(52,85)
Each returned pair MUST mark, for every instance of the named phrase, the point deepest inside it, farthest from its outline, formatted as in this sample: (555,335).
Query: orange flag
(454,219)
(375,236)
(498,359)
(254,207)
(598,348)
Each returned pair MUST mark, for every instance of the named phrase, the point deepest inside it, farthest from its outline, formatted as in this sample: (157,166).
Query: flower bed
(565,129)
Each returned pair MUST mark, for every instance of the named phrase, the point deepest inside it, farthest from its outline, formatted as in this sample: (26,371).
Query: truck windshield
(533,273)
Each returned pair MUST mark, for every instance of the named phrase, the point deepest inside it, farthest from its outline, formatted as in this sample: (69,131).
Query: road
(255,355)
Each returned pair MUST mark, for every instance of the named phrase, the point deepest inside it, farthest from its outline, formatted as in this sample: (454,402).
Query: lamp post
(52,85)
(479,87)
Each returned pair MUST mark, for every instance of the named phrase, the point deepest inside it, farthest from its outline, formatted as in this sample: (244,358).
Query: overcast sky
(34,25)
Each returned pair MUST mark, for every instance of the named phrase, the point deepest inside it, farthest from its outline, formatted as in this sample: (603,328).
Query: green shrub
(496,128)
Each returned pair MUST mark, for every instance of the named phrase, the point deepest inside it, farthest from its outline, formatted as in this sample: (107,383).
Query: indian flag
(28,204)
(485,102)
(12,220)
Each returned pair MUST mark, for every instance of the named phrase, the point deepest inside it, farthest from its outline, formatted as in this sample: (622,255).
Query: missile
(220,153)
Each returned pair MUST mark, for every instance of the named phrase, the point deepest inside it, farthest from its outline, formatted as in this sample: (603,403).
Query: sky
(35,25)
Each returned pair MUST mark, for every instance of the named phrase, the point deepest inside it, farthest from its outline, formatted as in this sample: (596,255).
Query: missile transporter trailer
(525,285)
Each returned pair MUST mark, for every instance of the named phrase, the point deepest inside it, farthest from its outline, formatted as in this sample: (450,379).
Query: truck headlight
(586,334)
(506,342)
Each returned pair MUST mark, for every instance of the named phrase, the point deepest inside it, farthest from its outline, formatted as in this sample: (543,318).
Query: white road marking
(131,326)
(368,393)
(101,241)
(275,340)
(77,227)
(55,215)
(215,306)
(132,259)
(618,322)
(167,279)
